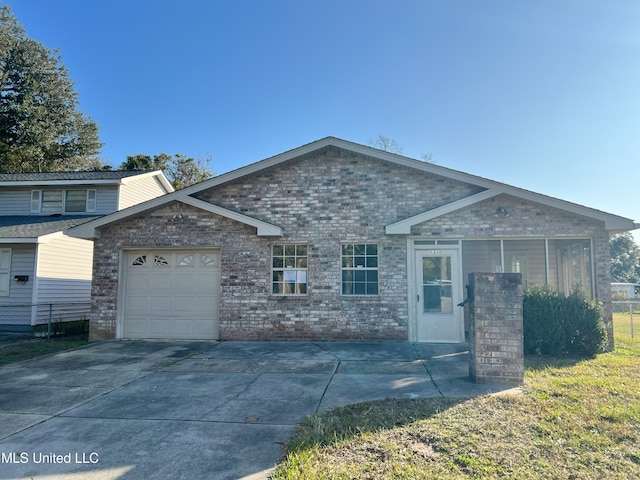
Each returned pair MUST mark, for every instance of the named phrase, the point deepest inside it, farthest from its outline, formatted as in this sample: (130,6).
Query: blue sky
(540,94)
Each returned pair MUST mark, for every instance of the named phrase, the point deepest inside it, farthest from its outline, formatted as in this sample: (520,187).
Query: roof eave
(155,173)
(612,222)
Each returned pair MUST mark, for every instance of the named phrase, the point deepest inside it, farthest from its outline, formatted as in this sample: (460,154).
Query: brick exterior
(322,199)
(496,347)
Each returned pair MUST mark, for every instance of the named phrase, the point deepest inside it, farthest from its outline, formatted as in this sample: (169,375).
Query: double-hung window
(289,269)
(359,269)
(63,201)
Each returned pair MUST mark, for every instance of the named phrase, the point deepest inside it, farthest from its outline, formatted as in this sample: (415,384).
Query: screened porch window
(563,264)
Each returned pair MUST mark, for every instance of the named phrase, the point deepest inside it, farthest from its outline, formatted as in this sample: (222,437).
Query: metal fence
(631,308)
(45,317)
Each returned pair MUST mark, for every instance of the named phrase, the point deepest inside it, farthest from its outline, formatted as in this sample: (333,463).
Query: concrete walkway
(198,410)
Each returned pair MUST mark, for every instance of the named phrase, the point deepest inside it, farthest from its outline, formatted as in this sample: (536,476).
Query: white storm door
(439,287)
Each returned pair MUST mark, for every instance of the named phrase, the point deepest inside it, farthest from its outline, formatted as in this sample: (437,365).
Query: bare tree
(387,144)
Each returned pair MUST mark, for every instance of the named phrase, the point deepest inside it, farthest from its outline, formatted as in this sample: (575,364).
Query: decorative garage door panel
(172,294)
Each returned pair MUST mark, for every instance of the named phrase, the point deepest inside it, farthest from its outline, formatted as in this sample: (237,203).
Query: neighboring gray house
(39,263)
(333,241)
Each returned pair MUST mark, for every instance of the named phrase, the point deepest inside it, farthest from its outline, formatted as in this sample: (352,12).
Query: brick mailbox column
(496,346)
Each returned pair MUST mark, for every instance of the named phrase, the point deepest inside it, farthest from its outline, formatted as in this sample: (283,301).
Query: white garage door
(172,294)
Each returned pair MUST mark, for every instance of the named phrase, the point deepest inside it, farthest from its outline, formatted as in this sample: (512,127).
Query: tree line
(41,126)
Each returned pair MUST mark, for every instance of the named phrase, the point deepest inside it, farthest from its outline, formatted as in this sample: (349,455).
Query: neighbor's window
(59,201)
(80,201)
(289,269)
(359,269)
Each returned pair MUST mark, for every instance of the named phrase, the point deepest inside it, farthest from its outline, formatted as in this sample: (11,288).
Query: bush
(558,324)
(76,327)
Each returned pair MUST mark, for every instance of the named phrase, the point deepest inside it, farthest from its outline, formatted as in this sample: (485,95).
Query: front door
(438,292)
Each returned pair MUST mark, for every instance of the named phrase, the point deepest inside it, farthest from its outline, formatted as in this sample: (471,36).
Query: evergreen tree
(41,128)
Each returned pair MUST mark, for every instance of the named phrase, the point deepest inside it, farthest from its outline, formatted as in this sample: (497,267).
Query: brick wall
(496,347)
(321,199)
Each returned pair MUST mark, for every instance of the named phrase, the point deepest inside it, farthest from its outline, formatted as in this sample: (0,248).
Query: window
(289,269)
(5,271)
(51,201)
(360,269)
(564,264)
(59,201)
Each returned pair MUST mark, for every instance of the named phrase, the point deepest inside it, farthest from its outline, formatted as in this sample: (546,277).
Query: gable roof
(612,222)
(28,228)
(109,177)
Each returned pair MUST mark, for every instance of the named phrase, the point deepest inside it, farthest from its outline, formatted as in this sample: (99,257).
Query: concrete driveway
(197,410)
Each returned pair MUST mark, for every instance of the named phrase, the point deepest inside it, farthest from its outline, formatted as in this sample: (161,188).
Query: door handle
(418,297)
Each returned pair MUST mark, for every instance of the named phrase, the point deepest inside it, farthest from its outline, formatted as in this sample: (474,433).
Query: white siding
(140,190)
(22,263)
(64,270)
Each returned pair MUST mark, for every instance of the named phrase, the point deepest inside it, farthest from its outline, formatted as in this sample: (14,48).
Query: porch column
(496,342)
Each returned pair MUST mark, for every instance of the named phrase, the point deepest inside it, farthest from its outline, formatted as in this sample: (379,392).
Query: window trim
(274,270)
(90,204)
(6,271)
(36,203)
(364,268)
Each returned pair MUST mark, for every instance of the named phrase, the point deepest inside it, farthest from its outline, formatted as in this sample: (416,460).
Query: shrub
(558,324)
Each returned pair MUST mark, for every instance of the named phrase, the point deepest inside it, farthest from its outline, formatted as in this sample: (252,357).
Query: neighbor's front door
(438,287)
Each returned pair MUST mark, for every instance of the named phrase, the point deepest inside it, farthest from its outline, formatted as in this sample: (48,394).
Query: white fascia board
(89,230)
(59,183)
(264,229)
(156,173)
(403,227)
(258,166)
(18,240)
(36,240)
(613,223)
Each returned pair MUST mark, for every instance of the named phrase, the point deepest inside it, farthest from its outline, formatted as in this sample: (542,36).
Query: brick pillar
(496,346)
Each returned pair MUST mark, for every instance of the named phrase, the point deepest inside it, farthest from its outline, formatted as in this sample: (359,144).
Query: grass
(577,419)
(18,348)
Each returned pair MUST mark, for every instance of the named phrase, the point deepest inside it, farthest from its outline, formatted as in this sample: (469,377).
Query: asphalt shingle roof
(49,176)
(24,226)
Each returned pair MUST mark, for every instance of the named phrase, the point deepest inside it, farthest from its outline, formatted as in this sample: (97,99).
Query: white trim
(36,240)
(412,291)
(37,203)
(155,173)
(403,227)
(57,183)
(19,240)
(264,229)
(91,203)
(612,222)
(87,181)
(36,283)
(6,272)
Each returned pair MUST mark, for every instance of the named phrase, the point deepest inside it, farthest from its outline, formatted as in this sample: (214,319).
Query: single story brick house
(333,241)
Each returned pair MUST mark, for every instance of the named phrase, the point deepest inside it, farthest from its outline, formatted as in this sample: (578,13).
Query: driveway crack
(426,368)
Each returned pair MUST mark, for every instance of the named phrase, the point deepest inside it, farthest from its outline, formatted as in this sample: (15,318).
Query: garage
(172,294)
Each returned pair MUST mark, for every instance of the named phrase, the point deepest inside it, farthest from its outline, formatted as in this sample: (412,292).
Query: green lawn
(577,419)
(15,348)
(622,325)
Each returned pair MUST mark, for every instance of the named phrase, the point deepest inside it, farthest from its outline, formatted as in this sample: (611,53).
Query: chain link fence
(44,317)
(632,309)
